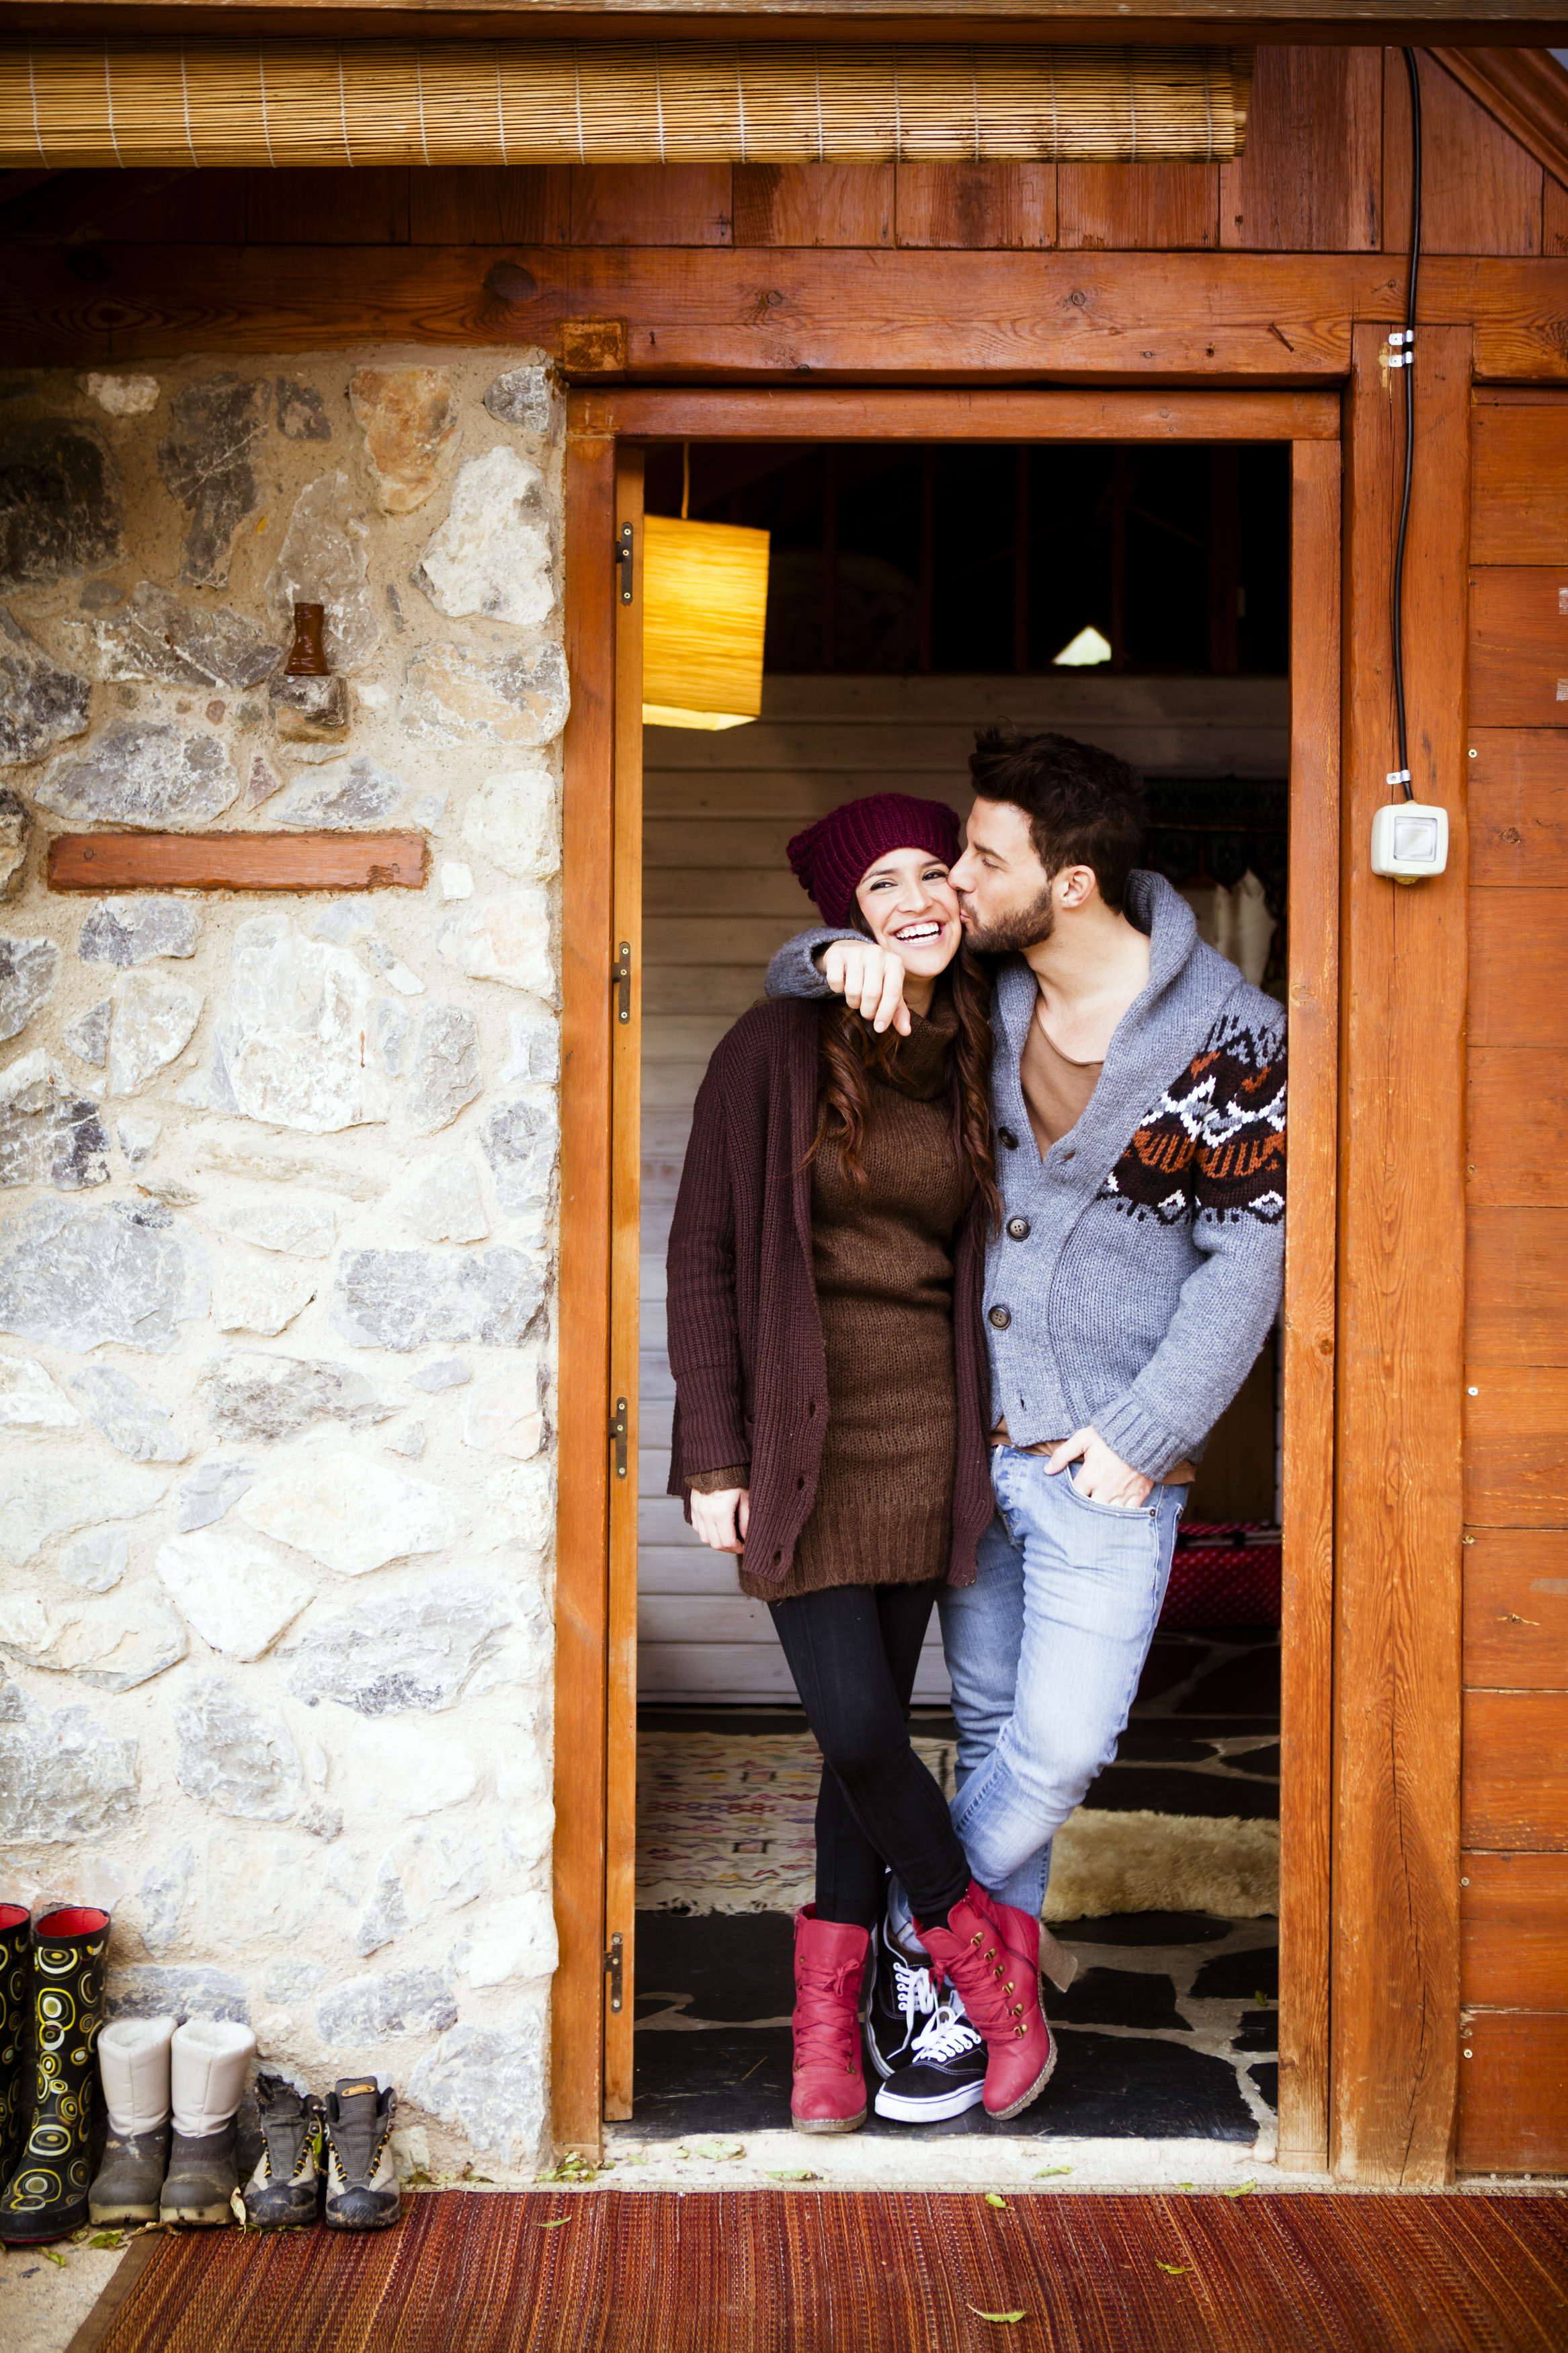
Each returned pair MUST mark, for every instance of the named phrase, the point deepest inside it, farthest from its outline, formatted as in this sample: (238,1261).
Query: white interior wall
(718,898)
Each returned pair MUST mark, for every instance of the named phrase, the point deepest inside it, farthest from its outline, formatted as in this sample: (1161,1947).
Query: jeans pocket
(1129,1514)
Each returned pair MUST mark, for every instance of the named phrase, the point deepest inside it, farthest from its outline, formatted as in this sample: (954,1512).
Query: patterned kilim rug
(727,1825)
(805,2272)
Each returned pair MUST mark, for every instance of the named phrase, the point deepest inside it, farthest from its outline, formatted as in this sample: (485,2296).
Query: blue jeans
(1045,1650)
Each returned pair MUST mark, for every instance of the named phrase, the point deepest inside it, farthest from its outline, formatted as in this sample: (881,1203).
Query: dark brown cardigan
(745,1338)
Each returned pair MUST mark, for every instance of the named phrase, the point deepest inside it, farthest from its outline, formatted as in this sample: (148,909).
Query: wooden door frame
(595,1663)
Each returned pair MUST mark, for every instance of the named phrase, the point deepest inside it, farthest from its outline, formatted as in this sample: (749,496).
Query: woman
(830,1422)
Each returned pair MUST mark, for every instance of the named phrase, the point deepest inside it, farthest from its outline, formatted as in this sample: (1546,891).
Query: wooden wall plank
(1307,1626)
(583,1302)
(1554,218)
(208,208)
(976,205)
(814,204)
(1516,1286)
(1519,498)
(1517,1115)
(1132,208)
(328,208)
(1309,180)
(237,861)
(1518,645)
(1398,1512)
(1515,1616)
(1516,1467)
(1514,1923)
(651,203)
(1481,193)
(1519,806)
(455,203)
(1515,2116)
(1516,1772)
(1519,962)
(1064,412)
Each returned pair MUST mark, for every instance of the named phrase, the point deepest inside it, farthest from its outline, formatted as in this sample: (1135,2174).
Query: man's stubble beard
(1030,927)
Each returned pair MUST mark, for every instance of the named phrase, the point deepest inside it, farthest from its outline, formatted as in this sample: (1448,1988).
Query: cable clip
(1397,776)
(1400,342)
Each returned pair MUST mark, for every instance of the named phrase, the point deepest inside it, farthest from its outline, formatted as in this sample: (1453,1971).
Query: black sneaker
(902,2001)
(946,2072)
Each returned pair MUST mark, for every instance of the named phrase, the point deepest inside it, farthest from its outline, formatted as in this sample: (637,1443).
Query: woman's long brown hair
(851,1048)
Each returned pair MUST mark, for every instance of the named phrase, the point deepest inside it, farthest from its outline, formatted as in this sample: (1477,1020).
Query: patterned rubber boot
(15,2033)
(133,2070)
(284,2190)
(209,2065)
(986,1951)
(828,2093)
(362,2180)
(46,2196)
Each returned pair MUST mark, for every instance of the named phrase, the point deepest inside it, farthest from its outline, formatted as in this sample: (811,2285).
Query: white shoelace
(913,1988)
(948,2036)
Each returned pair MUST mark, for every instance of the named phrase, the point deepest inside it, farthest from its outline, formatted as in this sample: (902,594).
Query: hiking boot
(362,2180)
(945,2073)
(133,2070)
(282,2193)
(828,2090)
(988,1953)
(209,2062)
(46,2196)
(903,2000)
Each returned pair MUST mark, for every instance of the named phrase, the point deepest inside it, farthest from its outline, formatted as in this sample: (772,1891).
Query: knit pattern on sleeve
(1213,1146)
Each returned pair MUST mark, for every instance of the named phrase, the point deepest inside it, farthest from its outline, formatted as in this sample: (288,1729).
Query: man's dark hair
(1085,806)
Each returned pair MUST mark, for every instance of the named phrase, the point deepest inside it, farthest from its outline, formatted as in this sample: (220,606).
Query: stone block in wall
(523,1501)
(510,1942)
(342,795)
(133,1423)
(113,1643)
(126,932)
(182,1993)
(525,398)
(442,1202)
(29,1399)
(535,1052)
(209,462)
(236,1755)
(14,828)
(413,1649)
(404,1299)
(418,1769)
(162,1895)
(28,968)
(409,419)
(211,1489)
(377,2009)
(349,1513)
(154,1020)
(123,1271)
(123,395)
(287,1041)
(424,1875)
(309,710)
(61,507)
(322,562)
(40,704)
(444,1073)
(236,1593)
(513,821)
(251,1397)
(492,555)
(522,1142)
(50,1489)
(87,1037)
(64,1775)
(50,1132)
(251,1296)
(489,2081)
(95,1563)
(504,939)
(504,1417)
(149,773)
(303,1228)
(455,694)
(153,636)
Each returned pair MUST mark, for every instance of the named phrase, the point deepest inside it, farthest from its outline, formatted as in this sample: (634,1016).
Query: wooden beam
(237,861)
(1307,1596)
(785,413)
(1336,22)
(1524,89)
(583,1306)
(1399,1520)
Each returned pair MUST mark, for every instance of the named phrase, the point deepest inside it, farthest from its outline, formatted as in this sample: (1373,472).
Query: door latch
(624,558)
(621,982)
(614,1972)
(618,1435)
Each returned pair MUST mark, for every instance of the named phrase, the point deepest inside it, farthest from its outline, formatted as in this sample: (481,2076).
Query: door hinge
(624,558)
(621,982)
(618,1436)
(613,1971)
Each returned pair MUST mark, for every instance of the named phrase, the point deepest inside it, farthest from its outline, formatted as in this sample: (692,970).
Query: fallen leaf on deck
(555,2225)
(1240,2190)
(993,2200)
(53,2256)
(793,2173)
(1007,2319)
(1046,2171)
(1177,2271)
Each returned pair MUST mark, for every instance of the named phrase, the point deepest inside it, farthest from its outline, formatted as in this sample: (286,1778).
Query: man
(1139,1098)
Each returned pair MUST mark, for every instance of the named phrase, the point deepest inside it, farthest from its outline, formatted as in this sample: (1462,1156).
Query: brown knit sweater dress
(882,1263)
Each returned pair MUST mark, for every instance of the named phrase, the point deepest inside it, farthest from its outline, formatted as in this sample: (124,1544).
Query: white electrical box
(1410,840)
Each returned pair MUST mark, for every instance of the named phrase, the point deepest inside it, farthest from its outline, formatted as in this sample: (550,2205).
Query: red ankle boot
(987,1952)
(829,2090)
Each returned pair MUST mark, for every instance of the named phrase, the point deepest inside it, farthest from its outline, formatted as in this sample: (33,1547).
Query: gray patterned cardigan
(1140,1267)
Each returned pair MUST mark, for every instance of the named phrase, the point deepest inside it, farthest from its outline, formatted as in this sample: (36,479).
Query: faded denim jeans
(1045,1650)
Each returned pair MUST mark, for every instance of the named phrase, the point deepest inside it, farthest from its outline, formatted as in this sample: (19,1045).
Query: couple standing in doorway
(980,1230)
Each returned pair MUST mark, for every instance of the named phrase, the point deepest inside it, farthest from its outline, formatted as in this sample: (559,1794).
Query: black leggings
(853,1652)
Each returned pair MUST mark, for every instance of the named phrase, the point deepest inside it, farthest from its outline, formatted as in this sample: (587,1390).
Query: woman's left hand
(720,1520)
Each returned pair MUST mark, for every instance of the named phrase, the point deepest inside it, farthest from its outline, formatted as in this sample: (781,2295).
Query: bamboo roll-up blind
(302,102)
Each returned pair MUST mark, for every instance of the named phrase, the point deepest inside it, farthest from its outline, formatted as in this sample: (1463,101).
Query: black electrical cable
(1405,358)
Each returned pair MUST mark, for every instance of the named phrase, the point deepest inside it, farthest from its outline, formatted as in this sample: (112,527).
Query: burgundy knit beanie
(832,857)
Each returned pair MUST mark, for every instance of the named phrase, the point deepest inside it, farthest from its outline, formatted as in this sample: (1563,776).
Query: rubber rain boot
(828,2090)
(283,2191)
(209,2062)
(988,1953)
(362,2179)
(15,2032)
(133,2069)
(46,2196)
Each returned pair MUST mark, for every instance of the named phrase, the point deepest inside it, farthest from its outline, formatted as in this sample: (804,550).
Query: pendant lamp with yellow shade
(705,600)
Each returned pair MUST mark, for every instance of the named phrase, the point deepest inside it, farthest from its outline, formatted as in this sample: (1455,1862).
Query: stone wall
(277,1245)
